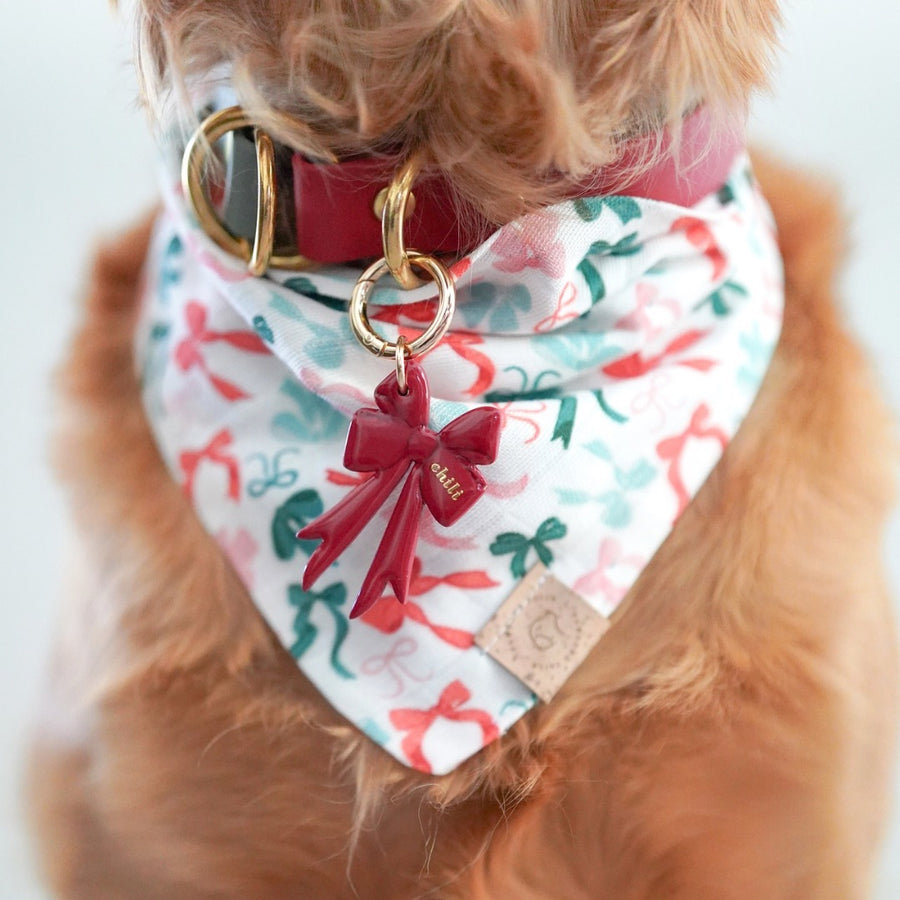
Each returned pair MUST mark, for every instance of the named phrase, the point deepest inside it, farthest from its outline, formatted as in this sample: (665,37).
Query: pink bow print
(672,450)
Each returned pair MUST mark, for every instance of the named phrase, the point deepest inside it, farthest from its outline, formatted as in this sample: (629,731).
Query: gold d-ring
(372,341)
(260,256)
(264,237)
(396,254)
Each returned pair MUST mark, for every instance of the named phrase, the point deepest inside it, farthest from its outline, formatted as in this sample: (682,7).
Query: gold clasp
(362,291)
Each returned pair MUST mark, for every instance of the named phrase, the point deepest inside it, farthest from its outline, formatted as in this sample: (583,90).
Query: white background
(76,162)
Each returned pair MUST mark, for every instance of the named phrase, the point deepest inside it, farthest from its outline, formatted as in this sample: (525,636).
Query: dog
(729,735)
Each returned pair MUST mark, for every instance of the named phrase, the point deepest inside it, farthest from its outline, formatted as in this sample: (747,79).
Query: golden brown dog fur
(730,737)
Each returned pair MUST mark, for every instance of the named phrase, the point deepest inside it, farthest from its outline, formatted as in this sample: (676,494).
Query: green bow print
(298,510)
(333,597)
(512,542)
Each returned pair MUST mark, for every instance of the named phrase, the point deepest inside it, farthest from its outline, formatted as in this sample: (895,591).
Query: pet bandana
(622,341)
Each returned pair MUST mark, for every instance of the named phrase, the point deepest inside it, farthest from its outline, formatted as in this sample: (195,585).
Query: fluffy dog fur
(730,737)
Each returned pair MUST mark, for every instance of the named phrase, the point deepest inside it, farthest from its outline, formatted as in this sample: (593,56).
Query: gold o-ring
(371,340)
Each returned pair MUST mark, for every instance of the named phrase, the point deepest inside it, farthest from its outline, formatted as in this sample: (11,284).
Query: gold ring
(362,291)
(392,218)
(260,256)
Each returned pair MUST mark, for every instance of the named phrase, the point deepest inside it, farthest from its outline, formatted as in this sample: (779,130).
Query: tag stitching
(514,614)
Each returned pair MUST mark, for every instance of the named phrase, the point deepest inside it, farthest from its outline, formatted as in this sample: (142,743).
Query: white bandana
(623,341)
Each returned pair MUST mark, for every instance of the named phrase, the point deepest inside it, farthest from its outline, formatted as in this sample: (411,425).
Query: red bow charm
(390,442)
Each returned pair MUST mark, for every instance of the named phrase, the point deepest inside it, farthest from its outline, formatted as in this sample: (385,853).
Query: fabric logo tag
(542,632)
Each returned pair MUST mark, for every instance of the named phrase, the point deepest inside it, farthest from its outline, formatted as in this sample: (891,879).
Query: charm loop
(260,255)
(371,340)
(400,358)
(397,256)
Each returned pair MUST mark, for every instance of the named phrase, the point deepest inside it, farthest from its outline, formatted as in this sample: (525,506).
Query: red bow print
(214,451)
(461,342)
(700,235)
(390,442)
(342,479)
(418,721)
(388,617)
(635,365)
(187,353)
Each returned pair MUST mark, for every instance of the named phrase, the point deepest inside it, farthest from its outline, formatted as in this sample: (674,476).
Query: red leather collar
(334,203)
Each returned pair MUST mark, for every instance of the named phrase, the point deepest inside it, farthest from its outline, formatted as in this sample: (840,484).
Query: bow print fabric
(619,343)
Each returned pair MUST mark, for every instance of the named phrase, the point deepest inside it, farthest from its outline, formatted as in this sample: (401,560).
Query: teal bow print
(302,285)
(263,329)
(298,510)
(577,350)
(565,419)
(326,345)
(273,476)
(534,391)
(616,509)
(306,632)
(568,405)
(314,419)
(758,353)
(718,299)
(627,246)
(501,305)
(170,270)
(624,208)
(512,542)
(726,194)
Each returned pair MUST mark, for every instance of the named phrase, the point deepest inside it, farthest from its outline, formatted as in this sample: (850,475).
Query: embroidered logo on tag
(542,632)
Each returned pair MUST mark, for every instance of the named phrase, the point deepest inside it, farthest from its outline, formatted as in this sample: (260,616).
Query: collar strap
(334,219)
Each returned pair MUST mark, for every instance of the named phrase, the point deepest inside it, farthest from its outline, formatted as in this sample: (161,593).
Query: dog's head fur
(514,99)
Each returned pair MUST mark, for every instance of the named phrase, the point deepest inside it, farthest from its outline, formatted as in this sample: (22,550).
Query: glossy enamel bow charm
(393,442)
